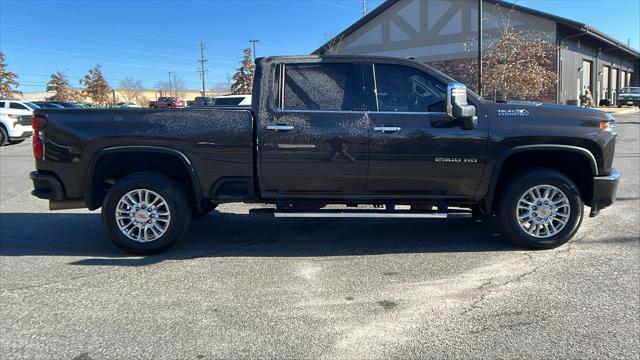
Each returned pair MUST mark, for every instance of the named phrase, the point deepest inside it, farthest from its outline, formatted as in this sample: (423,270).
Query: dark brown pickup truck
(392,135)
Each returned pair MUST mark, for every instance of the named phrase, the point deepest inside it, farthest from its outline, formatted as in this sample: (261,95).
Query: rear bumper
(604,191)
(46,186)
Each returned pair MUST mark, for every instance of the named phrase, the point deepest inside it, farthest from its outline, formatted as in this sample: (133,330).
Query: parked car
(67,104)
(15,120)
(167,102)
(202,101)
(345,131)
(126,105)
(48,105)
(232,100)
(629,96)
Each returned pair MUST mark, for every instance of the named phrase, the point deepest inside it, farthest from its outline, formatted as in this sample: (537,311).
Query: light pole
(170,72)
(254,41)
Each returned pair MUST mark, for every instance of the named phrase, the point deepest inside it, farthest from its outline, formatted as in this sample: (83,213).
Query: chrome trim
(387,129)
(365,112)
(321,111)
(361,215)
(375,86)
(296,146)
(450,88)
(280,127)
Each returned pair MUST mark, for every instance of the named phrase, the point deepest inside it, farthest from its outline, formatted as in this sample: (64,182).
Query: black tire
(4,137)
(208,207)
(169,191)
(516,188)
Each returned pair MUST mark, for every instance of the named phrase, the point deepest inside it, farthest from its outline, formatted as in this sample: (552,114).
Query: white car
(127,105)
(232,100)
(15,120)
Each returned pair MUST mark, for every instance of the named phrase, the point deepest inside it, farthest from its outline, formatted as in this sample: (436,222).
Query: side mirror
(459,108)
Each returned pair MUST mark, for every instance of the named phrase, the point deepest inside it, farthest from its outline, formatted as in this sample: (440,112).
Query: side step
(367,214)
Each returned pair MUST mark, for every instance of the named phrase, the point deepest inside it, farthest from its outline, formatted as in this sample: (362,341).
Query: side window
(330,87)
(401,88)
(2,104)
(17,106)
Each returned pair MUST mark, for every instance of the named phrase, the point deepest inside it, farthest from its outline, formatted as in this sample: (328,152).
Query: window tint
(2,104)
(323,87)
(402,88)
(229,101)
(17,106)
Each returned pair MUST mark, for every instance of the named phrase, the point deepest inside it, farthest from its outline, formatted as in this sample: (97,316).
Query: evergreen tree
(8,81)
(243,78)
(96,86)
(60,85)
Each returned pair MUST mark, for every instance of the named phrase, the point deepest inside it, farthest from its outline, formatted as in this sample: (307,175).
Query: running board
(366,214)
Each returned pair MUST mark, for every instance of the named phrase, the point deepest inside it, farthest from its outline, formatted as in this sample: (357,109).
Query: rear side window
(329,87)
(401,88)
(17,106)
(2,104)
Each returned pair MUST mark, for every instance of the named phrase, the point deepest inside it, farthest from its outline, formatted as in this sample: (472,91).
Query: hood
(549,111)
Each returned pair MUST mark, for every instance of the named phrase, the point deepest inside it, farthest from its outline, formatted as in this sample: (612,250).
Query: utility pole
(480,47)
(202,69)
(364,7)
(170,72)
(254,41)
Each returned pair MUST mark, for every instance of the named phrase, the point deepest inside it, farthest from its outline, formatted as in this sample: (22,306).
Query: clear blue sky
(147,39)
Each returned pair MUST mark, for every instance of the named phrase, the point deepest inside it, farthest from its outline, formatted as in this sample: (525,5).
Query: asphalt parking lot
(244,287)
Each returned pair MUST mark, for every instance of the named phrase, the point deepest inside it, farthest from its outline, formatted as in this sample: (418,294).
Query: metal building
(438,32)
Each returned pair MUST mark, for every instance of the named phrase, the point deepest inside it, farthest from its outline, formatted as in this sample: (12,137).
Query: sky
(148,39)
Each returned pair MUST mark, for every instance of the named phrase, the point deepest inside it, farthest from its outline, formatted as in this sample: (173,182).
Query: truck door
(416,149)
(313,139)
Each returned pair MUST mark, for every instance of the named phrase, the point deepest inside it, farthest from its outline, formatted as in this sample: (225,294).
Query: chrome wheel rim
(143,215)
(543,211)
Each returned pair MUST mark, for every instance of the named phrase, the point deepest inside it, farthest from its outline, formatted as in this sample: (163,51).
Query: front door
(315,140)
(417,150)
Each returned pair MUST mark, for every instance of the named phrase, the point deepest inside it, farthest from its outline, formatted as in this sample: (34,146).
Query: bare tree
(131,89)
(516,63)
(172,87)
(8,83)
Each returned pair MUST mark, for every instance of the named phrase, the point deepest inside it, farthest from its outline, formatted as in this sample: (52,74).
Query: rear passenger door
(314,139)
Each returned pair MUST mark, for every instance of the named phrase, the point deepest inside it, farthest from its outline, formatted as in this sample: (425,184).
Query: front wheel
(145,213)
(541,209)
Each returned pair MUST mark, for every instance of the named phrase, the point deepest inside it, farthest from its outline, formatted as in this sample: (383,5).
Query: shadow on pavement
(228,234)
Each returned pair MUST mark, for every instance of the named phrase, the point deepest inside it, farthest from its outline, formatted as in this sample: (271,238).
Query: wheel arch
(92,199)
(583,155)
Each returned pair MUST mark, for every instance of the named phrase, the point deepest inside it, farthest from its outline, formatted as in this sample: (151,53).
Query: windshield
(635,91)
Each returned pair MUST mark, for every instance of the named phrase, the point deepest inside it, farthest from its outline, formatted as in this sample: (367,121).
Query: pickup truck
(167,102)
(336,137)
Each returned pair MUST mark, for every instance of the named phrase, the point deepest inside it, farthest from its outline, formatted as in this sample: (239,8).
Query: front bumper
(46,186)
(628,102)
(604,191)
(21,136)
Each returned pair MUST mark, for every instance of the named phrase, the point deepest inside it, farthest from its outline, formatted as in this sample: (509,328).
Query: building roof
(580,27)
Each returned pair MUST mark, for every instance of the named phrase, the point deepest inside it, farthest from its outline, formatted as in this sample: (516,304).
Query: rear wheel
(145,213)
(541,209)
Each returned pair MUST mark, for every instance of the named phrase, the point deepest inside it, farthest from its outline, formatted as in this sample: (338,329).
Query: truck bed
(216,142)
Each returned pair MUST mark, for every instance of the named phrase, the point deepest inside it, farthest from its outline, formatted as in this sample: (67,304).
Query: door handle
(387,129)
(280,127)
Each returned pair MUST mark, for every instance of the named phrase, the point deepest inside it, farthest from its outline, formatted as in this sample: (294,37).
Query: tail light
(38,123)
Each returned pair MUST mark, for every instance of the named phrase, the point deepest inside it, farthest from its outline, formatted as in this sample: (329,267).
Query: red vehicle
(165,101)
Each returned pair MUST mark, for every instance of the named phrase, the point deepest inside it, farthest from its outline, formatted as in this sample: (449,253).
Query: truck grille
(24,120)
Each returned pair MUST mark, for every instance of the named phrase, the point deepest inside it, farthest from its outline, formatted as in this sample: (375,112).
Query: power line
(202,69)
